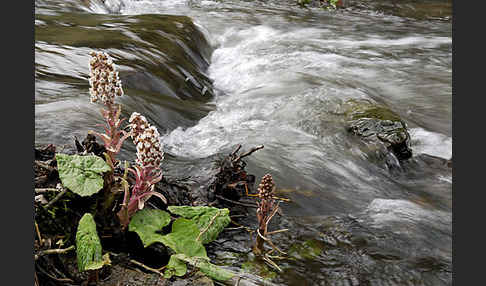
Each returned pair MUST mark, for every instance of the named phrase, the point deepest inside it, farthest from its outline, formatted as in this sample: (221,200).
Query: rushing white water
(281,75)
(431,143)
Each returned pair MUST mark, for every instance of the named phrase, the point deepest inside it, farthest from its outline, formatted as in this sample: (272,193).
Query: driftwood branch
(237,159)
(236,151)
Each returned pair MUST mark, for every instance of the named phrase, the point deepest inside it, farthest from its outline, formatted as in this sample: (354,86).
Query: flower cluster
(146,139)
(266,204)
(267,207)
(104,81)
(266,187)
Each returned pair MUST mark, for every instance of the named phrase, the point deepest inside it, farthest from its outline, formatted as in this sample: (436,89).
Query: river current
(214,74)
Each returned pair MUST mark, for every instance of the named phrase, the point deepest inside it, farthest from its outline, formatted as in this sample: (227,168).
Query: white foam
(447,179)
(430,143)
(424,42)
(384,211)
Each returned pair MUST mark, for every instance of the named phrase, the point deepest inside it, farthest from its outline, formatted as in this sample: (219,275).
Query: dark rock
(45,153)
(393,134)
(91,146)
(379,125)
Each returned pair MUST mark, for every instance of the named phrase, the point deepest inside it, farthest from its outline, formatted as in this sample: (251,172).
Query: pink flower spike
(118,146)
(147,195)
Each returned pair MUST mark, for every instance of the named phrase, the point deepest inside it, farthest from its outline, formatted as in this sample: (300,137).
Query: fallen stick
(44,190)
(235,202)
(56,198)
(146,267)
(53,251)
(53,277)
(247,153)
(38,232)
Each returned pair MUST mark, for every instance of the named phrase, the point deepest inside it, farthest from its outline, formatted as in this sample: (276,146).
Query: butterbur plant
(147,170)
(105,85)
(268,205)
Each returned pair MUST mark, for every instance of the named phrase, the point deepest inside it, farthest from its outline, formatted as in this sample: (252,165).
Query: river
(215,74)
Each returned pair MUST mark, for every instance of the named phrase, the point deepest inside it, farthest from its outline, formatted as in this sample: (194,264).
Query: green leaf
(82,174)
(210,221)
(175,267)
(88,245)
(147,223)
(206,267)
(182,239)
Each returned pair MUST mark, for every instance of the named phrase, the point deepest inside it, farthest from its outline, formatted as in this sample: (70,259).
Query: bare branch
(247,153)
(146,267)
(56,198)
(53,251)
(236,151)
(235,202)
(43,190)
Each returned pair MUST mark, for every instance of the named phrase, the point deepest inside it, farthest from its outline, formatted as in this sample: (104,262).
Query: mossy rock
(310,249)
(378,124)
(361,108)
(258,267)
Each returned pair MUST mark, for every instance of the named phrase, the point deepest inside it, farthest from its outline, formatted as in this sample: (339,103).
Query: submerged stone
(258,267)
(308,250)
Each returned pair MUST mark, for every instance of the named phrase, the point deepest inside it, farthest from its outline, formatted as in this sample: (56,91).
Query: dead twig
(44,190)
(53,251)
(247,153)
(272,263)
(207,227)
(38,232)
(56,198)
(277,231)
(242,226)
(235,202)
(36,280)
(236,151)
(53,277)
(147,267)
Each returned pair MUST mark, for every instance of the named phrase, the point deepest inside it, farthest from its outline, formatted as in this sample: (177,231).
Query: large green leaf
(175,267)
(148,223)
(88,245)
(206,267)
(81,174)
(182,239)
(210,221)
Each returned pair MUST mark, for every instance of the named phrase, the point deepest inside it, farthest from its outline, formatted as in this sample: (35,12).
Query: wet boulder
(379,125)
